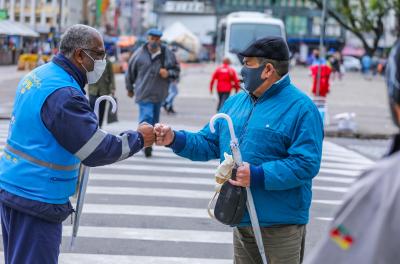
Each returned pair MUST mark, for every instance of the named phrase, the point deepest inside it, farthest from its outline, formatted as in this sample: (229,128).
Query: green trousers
(283,244)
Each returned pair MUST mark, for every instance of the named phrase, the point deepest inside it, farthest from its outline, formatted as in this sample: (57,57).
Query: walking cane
(237,158)
(84,174)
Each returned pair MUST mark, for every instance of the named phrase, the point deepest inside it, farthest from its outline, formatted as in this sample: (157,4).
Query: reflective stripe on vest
(40,162)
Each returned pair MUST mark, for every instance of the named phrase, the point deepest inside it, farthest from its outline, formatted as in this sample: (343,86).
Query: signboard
(184,7)
(3,14)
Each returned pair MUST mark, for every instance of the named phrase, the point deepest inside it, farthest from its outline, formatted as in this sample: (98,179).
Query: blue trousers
(172,93)
(149,112)
(28,239)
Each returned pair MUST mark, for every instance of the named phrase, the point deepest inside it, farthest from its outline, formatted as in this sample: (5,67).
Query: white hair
(77,36)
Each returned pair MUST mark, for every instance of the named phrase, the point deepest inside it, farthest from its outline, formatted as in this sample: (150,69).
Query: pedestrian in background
(52,131)
(335,61)
(226,79)
(320,72)
(366,228)
(148,77)
(172,92)
(366,63)
(104,86)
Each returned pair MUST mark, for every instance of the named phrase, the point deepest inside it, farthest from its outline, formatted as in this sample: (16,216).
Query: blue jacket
(66,114)
(280,135)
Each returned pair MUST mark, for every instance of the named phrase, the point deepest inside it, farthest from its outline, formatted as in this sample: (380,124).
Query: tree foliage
(362,17)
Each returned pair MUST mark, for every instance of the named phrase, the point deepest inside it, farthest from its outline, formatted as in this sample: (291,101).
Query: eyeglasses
(101,54)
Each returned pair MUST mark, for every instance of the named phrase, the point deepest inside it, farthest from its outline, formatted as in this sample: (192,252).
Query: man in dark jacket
(53,130)
(151,69)
(104,86)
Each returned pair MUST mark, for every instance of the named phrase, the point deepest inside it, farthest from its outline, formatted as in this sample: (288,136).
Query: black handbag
(231,203)
(112,117)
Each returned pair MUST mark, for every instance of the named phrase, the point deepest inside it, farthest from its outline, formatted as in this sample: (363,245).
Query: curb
(356,135)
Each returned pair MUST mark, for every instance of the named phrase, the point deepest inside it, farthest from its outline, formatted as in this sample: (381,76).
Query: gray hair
(281,67)
(77,36)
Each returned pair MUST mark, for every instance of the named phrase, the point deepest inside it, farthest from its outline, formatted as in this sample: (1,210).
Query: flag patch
(341,236)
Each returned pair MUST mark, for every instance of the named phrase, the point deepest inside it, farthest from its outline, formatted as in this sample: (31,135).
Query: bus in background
(237,30)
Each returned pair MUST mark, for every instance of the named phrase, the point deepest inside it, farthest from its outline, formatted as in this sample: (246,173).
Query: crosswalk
(154,210)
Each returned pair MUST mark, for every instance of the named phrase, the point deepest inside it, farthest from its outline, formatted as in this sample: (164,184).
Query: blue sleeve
(67,114)
(256,175)
(304,154)
(200,146)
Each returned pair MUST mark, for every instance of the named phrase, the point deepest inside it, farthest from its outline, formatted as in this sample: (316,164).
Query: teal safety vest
(34,165)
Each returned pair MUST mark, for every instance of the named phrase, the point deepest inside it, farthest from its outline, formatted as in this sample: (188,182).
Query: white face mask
(98,69)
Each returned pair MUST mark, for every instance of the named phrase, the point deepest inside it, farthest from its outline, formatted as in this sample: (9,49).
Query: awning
(353,51)
(126,41)
(12,28)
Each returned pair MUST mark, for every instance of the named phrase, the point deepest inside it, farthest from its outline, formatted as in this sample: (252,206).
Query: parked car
(351,63)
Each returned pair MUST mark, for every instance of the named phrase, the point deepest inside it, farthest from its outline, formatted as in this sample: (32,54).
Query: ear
(268,71)
(78,56)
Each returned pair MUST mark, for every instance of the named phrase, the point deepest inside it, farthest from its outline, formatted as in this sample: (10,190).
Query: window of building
(48,20)
(332,28)
(27,19)
(296,25)
(316,26)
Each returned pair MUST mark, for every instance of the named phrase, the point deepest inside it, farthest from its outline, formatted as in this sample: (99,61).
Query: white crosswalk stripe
(161,203)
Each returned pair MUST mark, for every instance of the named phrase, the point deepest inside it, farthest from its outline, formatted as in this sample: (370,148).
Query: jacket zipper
(247,121)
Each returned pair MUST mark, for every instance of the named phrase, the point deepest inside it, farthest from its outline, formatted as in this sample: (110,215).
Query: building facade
(198,16)
(44,16)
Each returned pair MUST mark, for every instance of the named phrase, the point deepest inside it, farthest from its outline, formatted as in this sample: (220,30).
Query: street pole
(60,16)
(321,47)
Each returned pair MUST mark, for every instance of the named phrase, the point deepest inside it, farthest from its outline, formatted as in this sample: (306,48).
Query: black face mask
(154,45)
(252,78)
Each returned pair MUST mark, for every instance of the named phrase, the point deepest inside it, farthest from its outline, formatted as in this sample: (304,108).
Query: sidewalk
(366,98)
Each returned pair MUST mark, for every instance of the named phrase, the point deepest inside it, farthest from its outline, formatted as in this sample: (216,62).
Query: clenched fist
(164,134)
(242,176)
(147,132)
(164,73)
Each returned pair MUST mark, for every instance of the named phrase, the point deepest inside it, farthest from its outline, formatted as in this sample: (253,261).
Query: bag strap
(162,56)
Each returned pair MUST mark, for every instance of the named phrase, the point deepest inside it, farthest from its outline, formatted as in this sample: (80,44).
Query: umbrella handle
(230,125)
(237,157)
(107,98)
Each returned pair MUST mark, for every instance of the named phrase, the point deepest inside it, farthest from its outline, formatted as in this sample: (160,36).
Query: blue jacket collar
(276,87)
(69,67)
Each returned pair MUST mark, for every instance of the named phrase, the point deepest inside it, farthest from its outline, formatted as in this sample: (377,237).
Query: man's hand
(131,94)
(242,176)
(164,134)
(164,73)
(147,132)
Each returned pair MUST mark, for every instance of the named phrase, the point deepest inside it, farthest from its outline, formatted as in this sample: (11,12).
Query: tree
(361,17)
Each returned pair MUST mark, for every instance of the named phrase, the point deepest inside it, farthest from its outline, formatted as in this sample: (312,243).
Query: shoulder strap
(162,56)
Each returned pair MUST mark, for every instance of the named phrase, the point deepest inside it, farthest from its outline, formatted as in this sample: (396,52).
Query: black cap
(274,48)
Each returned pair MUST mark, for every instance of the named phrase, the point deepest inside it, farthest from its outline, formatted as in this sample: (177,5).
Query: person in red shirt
(227,79)
(324,82)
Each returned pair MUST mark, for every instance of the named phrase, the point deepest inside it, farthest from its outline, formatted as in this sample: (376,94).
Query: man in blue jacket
(280,134)
(52,131)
